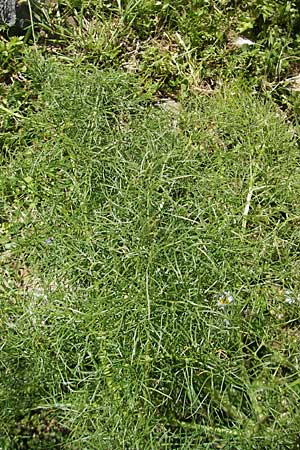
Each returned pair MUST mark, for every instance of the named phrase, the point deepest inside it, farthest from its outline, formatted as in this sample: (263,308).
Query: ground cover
(149,227)
(150,268)
(174,47)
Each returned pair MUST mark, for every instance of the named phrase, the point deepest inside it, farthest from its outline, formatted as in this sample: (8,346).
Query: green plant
(150,268)
(11,52)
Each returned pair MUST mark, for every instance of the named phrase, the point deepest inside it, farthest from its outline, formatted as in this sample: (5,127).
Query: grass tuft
(124,226)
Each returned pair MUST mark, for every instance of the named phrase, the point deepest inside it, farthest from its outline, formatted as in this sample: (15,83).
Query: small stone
(240,42)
